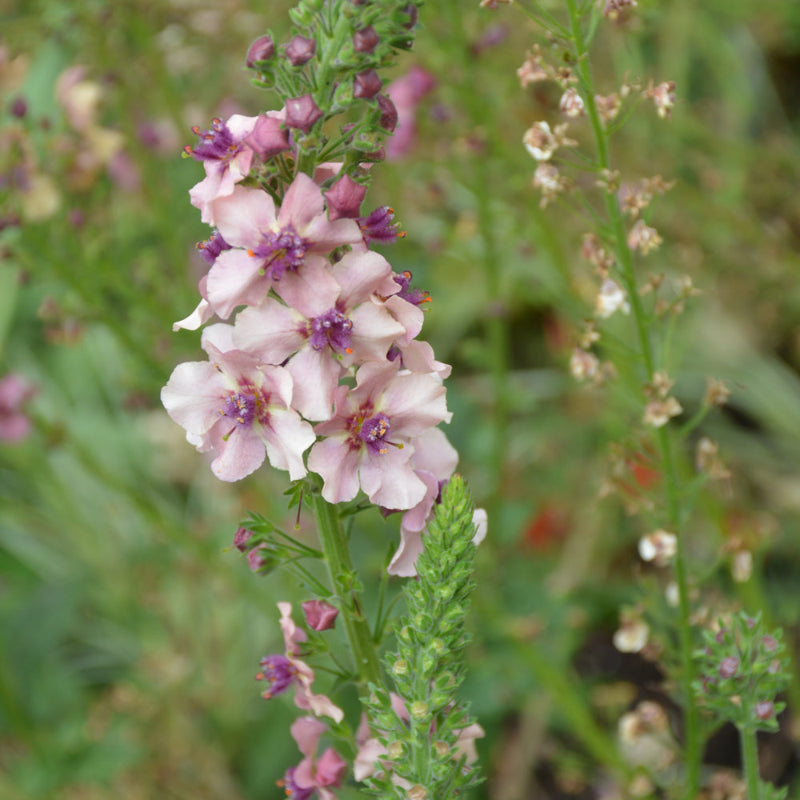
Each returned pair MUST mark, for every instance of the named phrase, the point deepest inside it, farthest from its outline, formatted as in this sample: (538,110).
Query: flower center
(281,250)
(216,144)
(279,672)
(372,432)
(241,408)
(333,329)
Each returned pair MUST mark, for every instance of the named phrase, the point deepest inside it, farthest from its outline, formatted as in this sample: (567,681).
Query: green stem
(693,744)
(340,567)
(750,759)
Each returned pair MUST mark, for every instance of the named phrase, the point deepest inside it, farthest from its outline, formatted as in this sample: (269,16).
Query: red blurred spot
(547,528)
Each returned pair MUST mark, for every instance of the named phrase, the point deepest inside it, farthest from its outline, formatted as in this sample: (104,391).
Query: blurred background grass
(129,636)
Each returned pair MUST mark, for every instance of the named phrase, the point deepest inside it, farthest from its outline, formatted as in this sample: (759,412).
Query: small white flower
(612,298)
(659,547)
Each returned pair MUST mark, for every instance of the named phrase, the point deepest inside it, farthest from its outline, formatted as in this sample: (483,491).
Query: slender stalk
(340,567)
(750,760)
(693,744)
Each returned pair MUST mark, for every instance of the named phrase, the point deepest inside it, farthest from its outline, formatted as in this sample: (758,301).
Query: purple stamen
(241,408)
(293,791)
(281,250)
(216,144)
(412,295)
(212,247)
(379,226)
(333,329)
(279,672)
(373,433)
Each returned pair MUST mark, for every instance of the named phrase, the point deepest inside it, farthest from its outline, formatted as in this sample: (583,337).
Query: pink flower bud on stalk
(365,40)
(300,50)
(262,49)
(320,616)
(302,113)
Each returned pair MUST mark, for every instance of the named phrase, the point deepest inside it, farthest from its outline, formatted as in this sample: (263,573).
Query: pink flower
(238,409)
(226,156)
(369,439)
(15,392)
(327,326)
(320,616)
(406,93)
(283,671)
(268,248)
(313,774)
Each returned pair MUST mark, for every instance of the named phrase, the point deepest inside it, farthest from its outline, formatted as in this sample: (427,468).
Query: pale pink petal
(404,560)
(272,331)
(302,202)
(200,315)
(242,217)
(366,759)
(374,330)
(316,375)
(360,275)
(338,465)
(408,315)
(241,454)
(331,768)
(193,396)
(307,732)
(389,481)
(416,403)
(480,519)
(418,356)
(433,453)
(235,280)
(312,289)
(292,635)
(287,437)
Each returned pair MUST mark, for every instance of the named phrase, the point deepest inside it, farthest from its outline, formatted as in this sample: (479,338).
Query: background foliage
(130,634)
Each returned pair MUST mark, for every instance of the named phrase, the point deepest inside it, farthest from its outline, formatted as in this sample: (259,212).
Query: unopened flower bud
(268,137)
(18,107)
(571,104)
(769,643)
(240,539)
(344,198)
(262,49)
(400,667)
(419,709)
(395,750)
(765,710)
(411,12)
(300,50)
(365,40)
(729,667)
(302,113)
(388,118)
(320,616)
(367,84)
(417,792)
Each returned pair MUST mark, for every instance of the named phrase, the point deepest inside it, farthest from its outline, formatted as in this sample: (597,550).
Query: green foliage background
(129,635)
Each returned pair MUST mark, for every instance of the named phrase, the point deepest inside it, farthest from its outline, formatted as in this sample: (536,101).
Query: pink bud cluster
(313,360)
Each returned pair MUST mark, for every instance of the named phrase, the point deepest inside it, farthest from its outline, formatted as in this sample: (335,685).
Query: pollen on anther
(251,253)
(348,350)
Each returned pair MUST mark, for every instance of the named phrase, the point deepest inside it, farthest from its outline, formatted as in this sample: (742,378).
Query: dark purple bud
(729,667)
(302,113)
(769,643)
(279,672)
(255,559)
(379,226)
(365,40)
(367,84)
(209,250)
(411,12)
(765,710)
(76,218)
(491,37)
(19,107)
(388,120)
(269,137)
(240,539)
(262,49)
(300,50)
(721,634)
(320,616)
(411,294)
(344,198)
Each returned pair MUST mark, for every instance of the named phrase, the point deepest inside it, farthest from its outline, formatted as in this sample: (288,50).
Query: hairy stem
(693,744)
(343,580)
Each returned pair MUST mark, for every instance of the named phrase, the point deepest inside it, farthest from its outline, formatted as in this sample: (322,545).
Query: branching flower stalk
(575,36)
(314,364)
(693,744)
